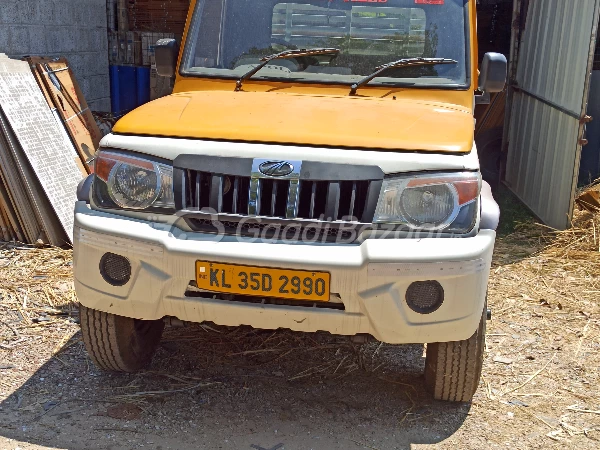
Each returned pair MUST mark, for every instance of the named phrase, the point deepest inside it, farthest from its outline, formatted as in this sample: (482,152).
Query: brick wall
(75,29)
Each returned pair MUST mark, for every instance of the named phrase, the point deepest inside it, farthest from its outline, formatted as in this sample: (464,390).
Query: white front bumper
(371,279)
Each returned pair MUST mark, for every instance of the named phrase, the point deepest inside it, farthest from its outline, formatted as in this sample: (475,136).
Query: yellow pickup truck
(314,169)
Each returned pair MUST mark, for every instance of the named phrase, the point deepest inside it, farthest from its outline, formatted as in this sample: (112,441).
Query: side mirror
(166,52)
(492,75)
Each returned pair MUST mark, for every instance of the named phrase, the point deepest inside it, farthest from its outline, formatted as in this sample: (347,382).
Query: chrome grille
(329,200)
(226,189)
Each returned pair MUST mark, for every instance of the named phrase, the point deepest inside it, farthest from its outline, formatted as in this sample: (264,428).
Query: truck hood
(300,119)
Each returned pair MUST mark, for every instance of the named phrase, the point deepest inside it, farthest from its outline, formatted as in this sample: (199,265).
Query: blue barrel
(129,88)
(143,85)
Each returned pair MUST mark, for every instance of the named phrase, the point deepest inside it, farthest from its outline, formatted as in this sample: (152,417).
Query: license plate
(263,281)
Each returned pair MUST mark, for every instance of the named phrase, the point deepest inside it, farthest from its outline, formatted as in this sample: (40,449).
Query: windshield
(227,38)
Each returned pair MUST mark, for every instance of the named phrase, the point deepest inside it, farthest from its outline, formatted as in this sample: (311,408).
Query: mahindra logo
(276,168)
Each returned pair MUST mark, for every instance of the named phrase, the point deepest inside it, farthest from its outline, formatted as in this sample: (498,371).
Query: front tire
(116,343)
(453,369)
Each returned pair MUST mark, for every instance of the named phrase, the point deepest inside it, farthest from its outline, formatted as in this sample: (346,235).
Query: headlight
(132,182)
(430,202)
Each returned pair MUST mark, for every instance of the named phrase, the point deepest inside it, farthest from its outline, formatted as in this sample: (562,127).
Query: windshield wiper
(407,62)
(282,55)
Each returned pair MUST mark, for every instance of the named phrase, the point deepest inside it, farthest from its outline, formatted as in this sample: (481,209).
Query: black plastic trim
(266,220)
(426,172)
(227,165)
(372,198)
(319,171)
(275,228)
(84,189)
(260,300)
(179,188)
(390,86)
(216,193)
(233,224)
(165,55)
(333,200)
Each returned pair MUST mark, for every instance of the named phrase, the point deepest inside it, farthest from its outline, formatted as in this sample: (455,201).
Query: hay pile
(38,308)
(543,344)
(540,382)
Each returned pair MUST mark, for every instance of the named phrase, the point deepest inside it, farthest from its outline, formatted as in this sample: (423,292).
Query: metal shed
(552,53)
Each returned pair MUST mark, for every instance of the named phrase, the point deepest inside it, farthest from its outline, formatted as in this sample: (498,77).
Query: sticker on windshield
(429,2)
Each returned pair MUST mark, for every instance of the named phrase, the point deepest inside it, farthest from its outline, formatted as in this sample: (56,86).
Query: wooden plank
(34,61)
(60,83)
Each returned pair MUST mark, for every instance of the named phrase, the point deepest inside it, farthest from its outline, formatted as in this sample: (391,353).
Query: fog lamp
(424,297)
(115,269)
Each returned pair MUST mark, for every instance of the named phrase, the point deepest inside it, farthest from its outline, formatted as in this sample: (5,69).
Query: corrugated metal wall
(549,97)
